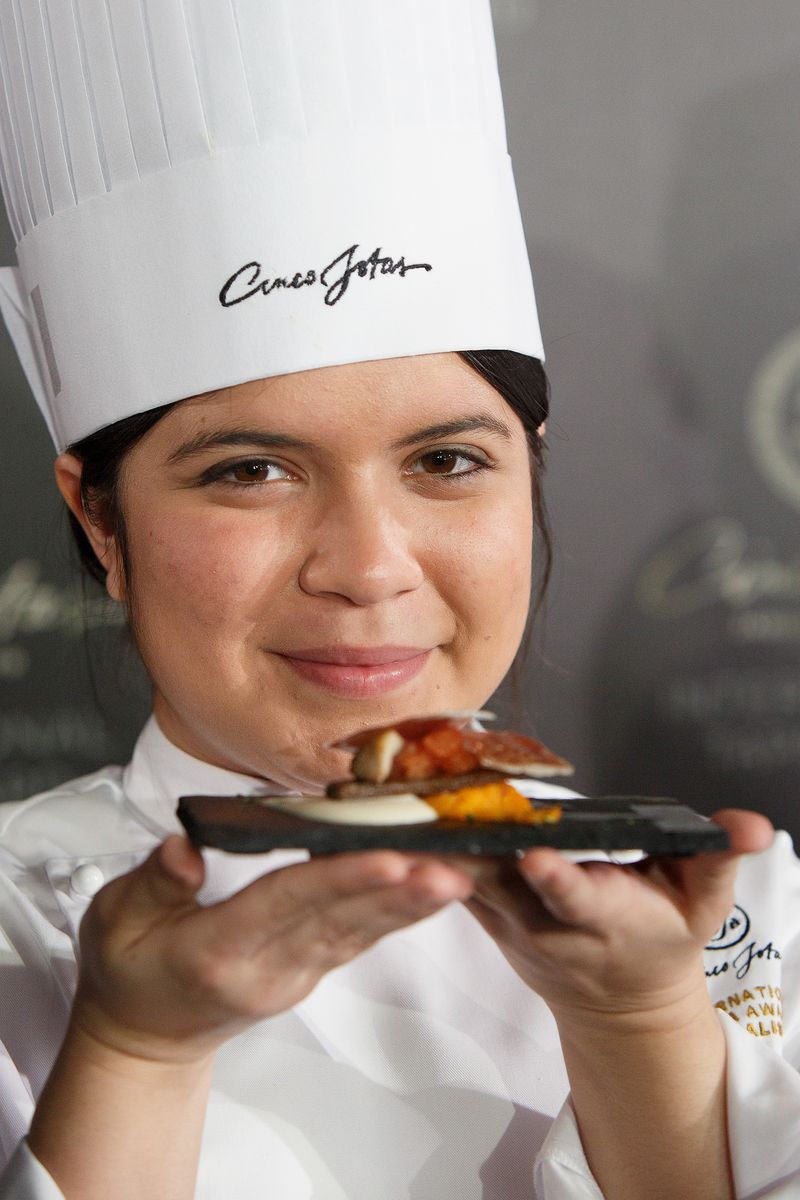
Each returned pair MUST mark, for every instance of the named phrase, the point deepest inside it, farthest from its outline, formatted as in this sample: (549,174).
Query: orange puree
(492,802)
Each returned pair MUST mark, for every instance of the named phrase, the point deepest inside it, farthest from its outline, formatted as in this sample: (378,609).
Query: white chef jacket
(423,1070)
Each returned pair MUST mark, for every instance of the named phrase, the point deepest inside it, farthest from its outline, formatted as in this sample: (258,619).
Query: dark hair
(101,454)
(519,379)
(523,384)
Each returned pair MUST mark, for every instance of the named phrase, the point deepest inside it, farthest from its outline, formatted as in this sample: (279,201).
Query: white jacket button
(86,880)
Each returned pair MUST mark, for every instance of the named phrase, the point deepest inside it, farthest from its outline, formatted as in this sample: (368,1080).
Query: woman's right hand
(167,979)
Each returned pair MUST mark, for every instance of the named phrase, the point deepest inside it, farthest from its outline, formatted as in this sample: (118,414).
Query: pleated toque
(204,192)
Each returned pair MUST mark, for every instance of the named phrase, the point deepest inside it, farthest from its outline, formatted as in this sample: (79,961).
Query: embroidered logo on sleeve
(731,955)
(758,1007)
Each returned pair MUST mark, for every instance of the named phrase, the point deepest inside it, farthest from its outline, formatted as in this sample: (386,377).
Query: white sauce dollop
(404,809)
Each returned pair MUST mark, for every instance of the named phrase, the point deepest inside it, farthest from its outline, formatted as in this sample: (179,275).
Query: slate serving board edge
(241,825)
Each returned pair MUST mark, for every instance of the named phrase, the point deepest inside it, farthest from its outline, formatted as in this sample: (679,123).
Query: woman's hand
(617,954)
(164,981)
(164,978)
(604,939)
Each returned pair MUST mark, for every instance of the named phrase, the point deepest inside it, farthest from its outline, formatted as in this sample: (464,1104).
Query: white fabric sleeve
(26,1179)
(561,1171)
(16,1107)
(763,1123)
(763,1118)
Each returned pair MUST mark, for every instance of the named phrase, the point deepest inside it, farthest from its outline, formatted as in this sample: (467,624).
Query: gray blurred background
(657,153)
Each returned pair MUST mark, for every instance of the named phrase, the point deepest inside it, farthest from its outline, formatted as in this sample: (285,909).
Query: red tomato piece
(442,743)
(413,762)
(447,748)
(461,762)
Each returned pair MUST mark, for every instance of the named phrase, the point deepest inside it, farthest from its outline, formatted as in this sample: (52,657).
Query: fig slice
(515,754)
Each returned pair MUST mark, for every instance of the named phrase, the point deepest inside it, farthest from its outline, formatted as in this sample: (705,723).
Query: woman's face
(325,551)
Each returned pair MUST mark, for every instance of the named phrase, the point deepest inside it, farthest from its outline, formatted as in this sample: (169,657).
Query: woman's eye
(248,471)
(446,462)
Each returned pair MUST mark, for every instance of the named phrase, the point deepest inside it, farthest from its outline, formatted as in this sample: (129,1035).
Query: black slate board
(242,825)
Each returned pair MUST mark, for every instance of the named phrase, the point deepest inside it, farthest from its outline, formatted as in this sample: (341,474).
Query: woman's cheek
(499,561)
(489,587)
(209,573)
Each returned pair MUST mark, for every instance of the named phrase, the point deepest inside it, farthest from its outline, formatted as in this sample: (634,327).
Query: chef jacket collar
(160,773)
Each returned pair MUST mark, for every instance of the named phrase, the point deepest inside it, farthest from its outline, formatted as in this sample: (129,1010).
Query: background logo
(774,418)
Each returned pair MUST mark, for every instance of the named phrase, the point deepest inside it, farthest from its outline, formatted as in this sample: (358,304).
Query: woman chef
(262,251)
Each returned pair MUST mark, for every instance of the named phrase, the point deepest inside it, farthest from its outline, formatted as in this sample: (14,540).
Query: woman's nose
(361,552)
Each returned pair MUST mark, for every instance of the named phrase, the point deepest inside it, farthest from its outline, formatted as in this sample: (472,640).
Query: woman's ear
(69,472)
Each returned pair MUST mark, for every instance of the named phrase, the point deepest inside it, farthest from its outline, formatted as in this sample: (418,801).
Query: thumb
(169,878)
(181,862)
(174,871)
(166,882)
(748,833)
(707,880)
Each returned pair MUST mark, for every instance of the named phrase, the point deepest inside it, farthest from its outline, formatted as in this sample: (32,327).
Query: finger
(539,890)
(330,935)
(503,920)
(501,897)
(500,887)
(568,891)
(296,892)
(711,876)
(265,966)
(483,869)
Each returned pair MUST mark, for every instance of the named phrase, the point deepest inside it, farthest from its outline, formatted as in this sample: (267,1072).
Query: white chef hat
(204,192)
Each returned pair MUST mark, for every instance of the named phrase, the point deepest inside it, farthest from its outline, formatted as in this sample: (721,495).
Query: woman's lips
(358,671)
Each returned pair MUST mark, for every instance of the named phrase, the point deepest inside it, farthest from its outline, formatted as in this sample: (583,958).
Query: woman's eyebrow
(267,439)
(236,437)
(480,421)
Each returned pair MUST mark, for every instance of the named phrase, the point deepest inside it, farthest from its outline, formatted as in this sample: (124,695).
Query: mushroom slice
(373,761)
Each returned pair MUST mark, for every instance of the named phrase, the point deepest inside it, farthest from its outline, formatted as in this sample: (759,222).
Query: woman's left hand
(616,952)
(597,938)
